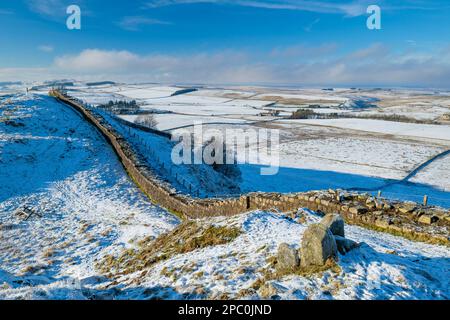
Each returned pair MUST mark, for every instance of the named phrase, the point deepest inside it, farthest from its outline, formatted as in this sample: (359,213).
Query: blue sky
(311,43)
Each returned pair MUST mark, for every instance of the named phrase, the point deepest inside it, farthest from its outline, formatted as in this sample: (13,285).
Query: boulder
(358,210)
(428,219)
(335,223)
(345,245)
(407,208)
(318,245)
(287,258)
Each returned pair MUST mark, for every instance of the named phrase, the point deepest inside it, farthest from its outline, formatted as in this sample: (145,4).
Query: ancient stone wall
(409,220)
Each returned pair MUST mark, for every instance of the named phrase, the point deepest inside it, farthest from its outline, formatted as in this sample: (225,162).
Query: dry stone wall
(410,220)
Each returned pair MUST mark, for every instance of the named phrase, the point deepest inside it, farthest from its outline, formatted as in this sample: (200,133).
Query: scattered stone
(345,245)
(301,219)
(382,222)
(427,219)
(335,223)
(318,246)
(393,252)
(407,208)
(370,200)
(379,205)
(358,210)
(371,205)
(200,291)
(287,258)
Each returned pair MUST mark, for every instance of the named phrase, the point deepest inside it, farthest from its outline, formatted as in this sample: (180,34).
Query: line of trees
(121,107)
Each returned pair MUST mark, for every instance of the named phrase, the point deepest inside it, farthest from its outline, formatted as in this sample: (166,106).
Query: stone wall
(409,220)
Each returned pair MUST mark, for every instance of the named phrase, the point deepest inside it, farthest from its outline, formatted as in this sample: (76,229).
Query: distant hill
(99,83)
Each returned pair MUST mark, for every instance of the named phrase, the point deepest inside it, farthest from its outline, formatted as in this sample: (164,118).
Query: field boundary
(355,209)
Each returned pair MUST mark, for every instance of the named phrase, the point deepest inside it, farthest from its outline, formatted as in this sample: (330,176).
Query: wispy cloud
(353,8)
(375,65)
(134,23)
(309,27)
(46,48)
(54,9)
(350,8)
(302,51)
(49,8)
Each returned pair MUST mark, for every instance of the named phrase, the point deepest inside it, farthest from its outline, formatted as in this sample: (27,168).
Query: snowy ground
(384,267)
(60,166)
(169,122)
(428,131)
(373,157)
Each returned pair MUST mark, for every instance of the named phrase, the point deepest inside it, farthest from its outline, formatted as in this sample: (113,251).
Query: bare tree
(147,120)
(230,170)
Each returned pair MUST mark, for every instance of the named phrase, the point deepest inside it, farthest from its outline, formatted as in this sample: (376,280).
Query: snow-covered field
(168,122)
(427,131)
(318,153)
(56,164)
(371,157)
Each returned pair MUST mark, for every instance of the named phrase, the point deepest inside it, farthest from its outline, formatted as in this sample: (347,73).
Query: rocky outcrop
(345,245)
(287,258)
(317,247)
(335,223)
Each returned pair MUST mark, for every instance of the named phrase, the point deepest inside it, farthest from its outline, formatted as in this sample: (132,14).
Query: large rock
(345,245)
(358,210)
(318,245)
(335,223)
(428,219)
(407,208)
(287,258)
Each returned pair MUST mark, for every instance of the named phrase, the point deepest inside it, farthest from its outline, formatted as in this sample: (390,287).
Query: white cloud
(134,23)
(349,8)
(302,51)
(375,65)
(46,48)
(54,9)
(310,26)
(49,8)
(352,8)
